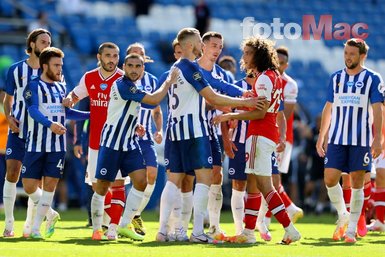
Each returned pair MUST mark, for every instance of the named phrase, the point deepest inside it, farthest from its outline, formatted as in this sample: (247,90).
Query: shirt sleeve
(290,92)
(129,92)
(162,78)
(223,86)
(10,84)
(73,114)
(264,87)
(330,95)
(376,93)
(32,100)
(84,105)
(81,89)
(192,73)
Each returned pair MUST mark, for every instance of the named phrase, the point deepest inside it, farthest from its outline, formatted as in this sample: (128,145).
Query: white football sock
(215,204)
(187,207)
(200,206)
(97,210)
(356,203)
(238,208)
(337,199)
(134,198)
(9,198)
(146,197)
(42,208)
(167,201)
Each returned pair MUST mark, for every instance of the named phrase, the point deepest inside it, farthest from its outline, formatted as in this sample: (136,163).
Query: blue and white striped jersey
(149,84)
(352,96)
(239,134)
(46,99)
(19,75)
(119,129)
(187,108)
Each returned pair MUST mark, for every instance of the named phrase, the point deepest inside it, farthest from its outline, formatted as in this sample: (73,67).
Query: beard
(52,76)
(37,52)
(197,52)
(133,76)
(351,66)
(106,67)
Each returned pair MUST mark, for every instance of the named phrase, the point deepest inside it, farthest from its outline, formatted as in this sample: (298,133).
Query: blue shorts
(42,164)
(348,158)
(15,147)
(274,164)
(110,161)
(238,164)
(216,152)
(187,155)
(148,151)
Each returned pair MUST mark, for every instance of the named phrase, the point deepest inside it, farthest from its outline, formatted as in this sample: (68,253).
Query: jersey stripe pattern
(119,129)
(50,97)
(19,75)
(351,122)
(240,132)
(187,108)
(149,84)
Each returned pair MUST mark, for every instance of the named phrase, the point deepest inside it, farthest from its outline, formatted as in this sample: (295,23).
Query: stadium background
(80,33)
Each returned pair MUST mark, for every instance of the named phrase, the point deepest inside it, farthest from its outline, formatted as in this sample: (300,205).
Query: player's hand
(158,137)
(70,100)
(320,146)
(221,118)
(281,145)
(13,124)
(230,148)
(140,130)
(376,148)
(78,151)
(262,103)
(173,76)
(248,93)
(233,124)
(57,128)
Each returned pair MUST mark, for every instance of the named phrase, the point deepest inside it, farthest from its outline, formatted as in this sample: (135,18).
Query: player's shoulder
(119,71)
(240,82)
(150,76)
(268,76)
(17,64)
(93,72)
(373,73)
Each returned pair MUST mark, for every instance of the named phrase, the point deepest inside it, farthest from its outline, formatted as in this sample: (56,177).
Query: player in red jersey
(263,138)
(290,92)
(96,84)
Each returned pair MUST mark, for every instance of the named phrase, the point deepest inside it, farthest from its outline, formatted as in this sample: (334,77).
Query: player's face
(197,45)
(42,41)
(352,57)
(133,69)
(54,69)
(282,63)
(213,48)
(177,52)
(247,58)
(109,59)
(138,50)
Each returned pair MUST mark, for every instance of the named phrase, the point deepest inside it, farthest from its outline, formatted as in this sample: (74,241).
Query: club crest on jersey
(103,86)
(148,88)
(197,76)
(133,89)
(28,94)
(350,83)
(359,84)
(103,171)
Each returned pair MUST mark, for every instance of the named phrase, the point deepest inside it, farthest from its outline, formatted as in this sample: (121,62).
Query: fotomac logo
(324,29)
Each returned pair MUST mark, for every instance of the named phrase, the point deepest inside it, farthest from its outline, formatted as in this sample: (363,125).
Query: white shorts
(91,169)
(284,158)
(258,155)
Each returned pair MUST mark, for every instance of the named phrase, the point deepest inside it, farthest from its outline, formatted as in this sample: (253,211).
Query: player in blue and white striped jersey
(19,74)
(355,98)
(119,147)
(46,143)
(188,130)
(147,83)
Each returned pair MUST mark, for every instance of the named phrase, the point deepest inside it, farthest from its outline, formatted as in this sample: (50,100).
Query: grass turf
(72,238)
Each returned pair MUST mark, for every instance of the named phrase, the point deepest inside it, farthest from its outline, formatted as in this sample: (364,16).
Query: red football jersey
(268,84)
(94,85)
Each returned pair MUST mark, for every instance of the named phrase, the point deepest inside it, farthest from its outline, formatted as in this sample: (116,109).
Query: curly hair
(264,56)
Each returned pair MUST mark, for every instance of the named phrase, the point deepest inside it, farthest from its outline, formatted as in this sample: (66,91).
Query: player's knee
(239,185)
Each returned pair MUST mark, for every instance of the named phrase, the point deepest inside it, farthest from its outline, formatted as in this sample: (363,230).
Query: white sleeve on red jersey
(81,89)
(290,92)
(264,86)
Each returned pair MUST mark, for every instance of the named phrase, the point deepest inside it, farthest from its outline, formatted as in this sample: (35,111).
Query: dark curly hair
(265,56)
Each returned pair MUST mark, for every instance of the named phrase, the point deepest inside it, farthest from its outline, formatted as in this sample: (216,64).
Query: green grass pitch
(72,238)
